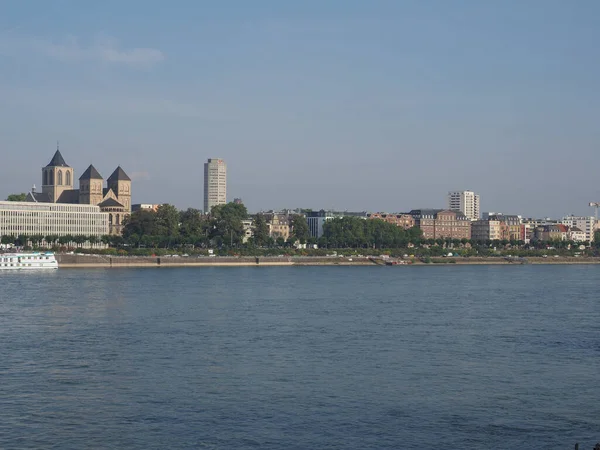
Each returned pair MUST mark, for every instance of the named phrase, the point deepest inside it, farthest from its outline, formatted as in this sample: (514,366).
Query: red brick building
(442,223)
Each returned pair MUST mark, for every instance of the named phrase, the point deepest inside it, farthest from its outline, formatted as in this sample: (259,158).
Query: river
(481,357)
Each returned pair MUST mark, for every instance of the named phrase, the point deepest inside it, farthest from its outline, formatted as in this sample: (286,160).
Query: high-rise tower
(215,183)
(467,202)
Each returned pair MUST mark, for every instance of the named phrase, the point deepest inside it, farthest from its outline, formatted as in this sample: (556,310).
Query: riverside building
(215,184)
(52,219)
(466,202)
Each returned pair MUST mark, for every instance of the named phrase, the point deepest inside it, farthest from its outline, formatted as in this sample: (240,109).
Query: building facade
(491,229)
(215,183)
(442,223)
(144,206)
(466,202)
(52,219)
(58,187)
(279,225)
(585,224)
(405,221)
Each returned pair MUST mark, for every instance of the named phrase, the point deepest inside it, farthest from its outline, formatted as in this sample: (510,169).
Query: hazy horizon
(347,105)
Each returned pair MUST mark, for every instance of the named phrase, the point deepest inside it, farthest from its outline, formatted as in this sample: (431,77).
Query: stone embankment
(102,261)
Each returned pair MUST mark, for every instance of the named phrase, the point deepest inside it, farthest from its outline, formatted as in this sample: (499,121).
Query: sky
(379,105)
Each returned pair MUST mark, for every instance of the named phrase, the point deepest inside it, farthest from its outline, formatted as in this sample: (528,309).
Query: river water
(474,357)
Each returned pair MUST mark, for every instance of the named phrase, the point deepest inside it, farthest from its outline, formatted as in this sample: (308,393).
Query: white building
(52,219)
(587,224)
(215,183)
(577,235)
(467,202)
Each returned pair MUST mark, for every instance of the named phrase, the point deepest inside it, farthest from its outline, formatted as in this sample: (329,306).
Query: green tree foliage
(299,228)
(226,226)
(193,226)
(140,223)
(354,232)
(17,197)
(261,230)
(167,221)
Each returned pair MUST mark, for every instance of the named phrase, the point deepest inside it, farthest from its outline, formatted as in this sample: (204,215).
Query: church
(57,187)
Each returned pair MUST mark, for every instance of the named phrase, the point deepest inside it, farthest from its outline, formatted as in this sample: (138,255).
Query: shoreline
(69,261)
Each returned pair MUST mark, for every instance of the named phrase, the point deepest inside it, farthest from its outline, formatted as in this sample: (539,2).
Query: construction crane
(595,205)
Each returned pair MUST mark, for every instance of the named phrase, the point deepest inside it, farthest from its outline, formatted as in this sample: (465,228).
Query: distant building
(442,223)
(585,224)
(215,183)
(52,219)
(57,187)
(577,235)
(279,224)
(146,206)
(516,229)
(555,232)
(466,202)
(490,229)
(405,221)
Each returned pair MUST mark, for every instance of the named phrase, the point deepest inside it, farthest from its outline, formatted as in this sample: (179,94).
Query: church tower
(90,187)
(120,184)
(57,177)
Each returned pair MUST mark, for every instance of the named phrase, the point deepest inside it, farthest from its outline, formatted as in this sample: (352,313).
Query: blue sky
(359,105)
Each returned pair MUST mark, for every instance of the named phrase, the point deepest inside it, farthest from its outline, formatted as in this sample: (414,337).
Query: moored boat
(28,261)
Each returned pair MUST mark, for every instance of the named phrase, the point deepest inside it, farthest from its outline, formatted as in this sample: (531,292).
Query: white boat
(27,261)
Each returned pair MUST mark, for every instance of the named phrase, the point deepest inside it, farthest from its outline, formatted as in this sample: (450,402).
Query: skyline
(346,106)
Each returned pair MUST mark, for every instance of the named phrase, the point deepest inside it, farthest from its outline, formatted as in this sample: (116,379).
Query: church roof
(110,202)
(38,197)
(119,175)
(57,160)
(90,174)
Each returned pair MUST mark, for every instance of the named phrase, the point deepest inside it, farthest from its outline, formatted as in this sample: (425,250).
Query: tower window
(59,179)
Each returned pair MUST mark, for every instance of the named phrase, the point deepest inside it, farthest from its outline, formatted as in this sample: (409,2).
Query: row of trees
(354,232)
(224,227)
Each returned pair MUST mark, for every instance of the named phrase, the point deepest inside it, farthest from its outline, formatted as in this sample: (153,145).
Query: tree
(193,225)
(261,230)
(17,197)
(226,223)
(79,239)
(51,239)
(141,223)
(7,239)
(167,221)
(299,228)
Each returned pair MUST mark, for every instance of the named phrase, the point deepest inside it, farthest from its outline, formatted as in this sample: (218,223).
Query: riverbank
(101,261)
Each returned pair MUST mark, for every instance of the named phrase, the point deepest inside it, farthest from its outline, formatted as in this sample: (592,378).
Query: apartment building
(585,224)
(442,223)
(466,202)
(490,229)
